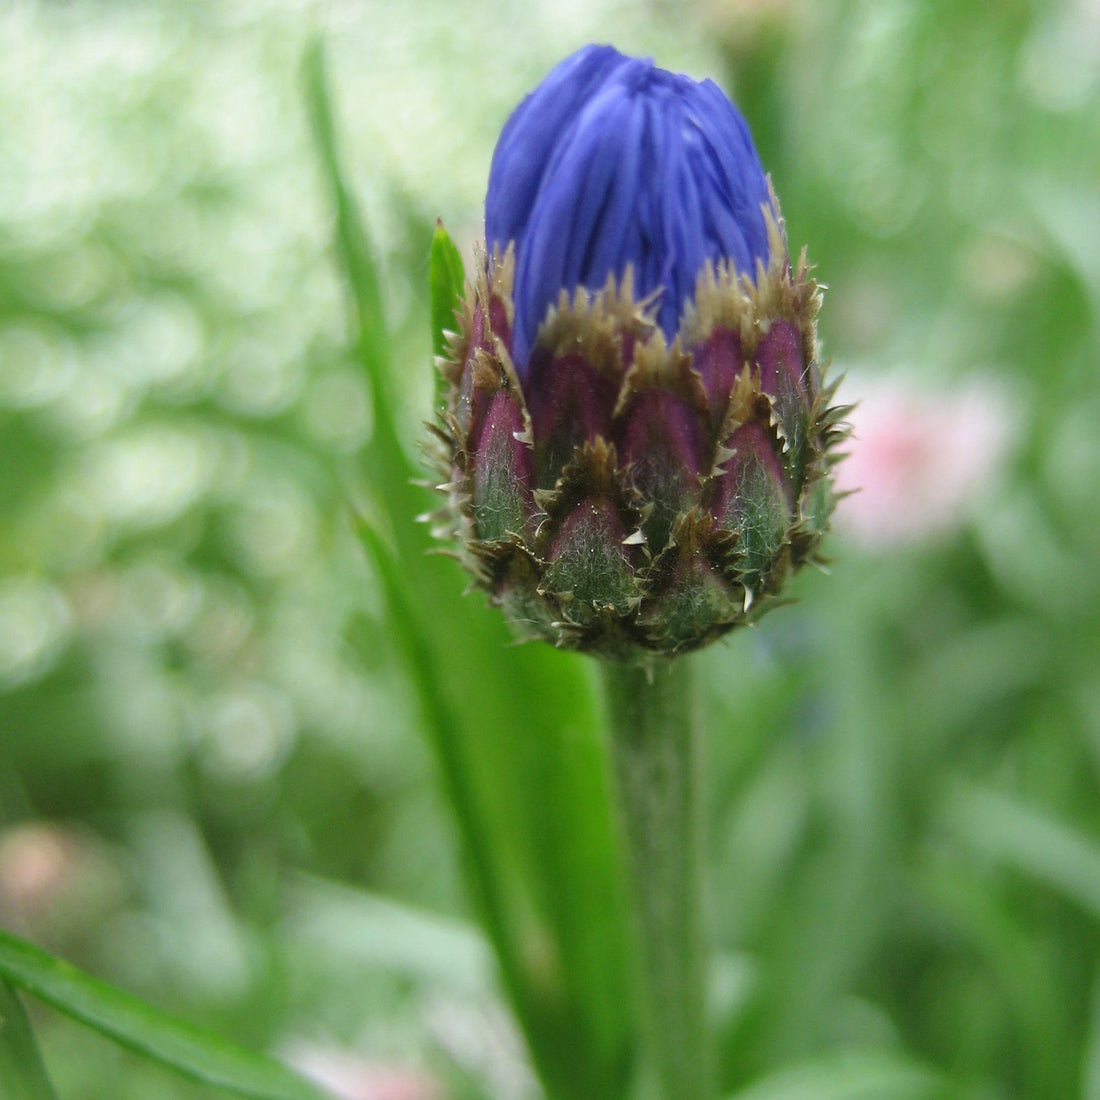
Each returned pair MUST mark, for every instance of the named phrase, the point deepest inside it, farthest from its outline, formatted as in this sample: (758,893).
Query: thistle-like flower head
(636,441)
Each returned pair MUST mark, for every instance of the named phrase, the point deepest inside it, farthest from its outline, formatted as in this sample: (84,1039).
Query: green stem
(654,745)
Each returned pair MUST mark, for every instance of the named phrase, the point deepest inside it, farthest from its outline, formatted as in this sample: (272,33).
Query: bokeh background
(215,787)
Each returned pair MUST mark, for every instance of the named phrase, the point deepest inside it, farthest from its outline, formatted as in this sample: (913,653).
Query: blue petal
(613,163)
(531,134)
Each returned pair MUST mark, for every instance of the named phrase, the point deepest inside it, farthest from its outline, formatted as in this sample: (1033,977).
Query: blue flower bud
(638,444)
(613,163)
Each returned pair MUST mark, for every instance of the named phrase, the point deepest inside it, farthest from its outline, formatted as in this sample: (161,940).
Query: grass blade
(515,730)
(856,1076)
(132,1023)
(22,1072)
(390,467)
(1029,841)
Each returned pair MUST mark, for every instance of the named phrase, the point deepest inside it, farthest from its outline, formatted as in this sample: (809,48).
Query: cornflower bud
(637,439)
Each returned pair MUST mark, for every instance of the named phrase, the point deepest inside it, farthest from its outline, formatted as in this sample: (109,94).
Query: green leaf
(1029,841)
(866,1075)
(1019,964)
(205,1056)
(446,279)
(389,464)
(543,869)
(22,1073)
(515,731)
(354,928)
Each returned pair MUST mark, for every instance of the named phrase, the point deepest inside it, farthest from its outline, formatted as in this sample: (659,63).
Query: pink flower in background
(36,861)
(56,880)
(918,459)
(351,1077)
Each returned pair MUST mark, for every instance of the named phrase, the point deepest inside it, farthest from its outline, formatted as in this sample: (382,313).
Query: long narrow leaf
(22,1073)
(353,928)
(389,464)
(515,730)
(873,1075)
(445,281)
(481,845)
(1029,841)
(199,1054)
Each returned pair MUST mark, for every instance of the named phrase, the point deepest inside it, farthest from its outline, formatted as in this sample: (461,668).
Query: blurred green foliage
(222,778)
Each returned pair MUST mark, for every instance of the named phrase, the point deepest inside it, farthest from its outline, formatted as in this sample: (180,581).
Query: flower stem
(656,760)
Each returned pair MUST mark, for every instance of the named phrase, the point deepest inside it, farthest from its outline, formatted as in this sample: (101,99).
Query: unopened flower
(636,437)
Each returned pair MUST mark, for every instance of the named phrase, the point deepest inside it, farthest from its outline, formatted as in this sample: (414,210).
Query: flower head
(637,434)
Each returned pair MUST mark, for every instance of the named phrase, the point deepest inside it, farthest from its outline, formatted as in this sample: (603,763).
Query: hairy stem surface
(654,745)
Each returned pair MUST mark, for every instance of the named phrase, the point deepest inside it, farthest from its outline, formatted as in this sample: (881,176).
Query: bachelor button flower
(636,441)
